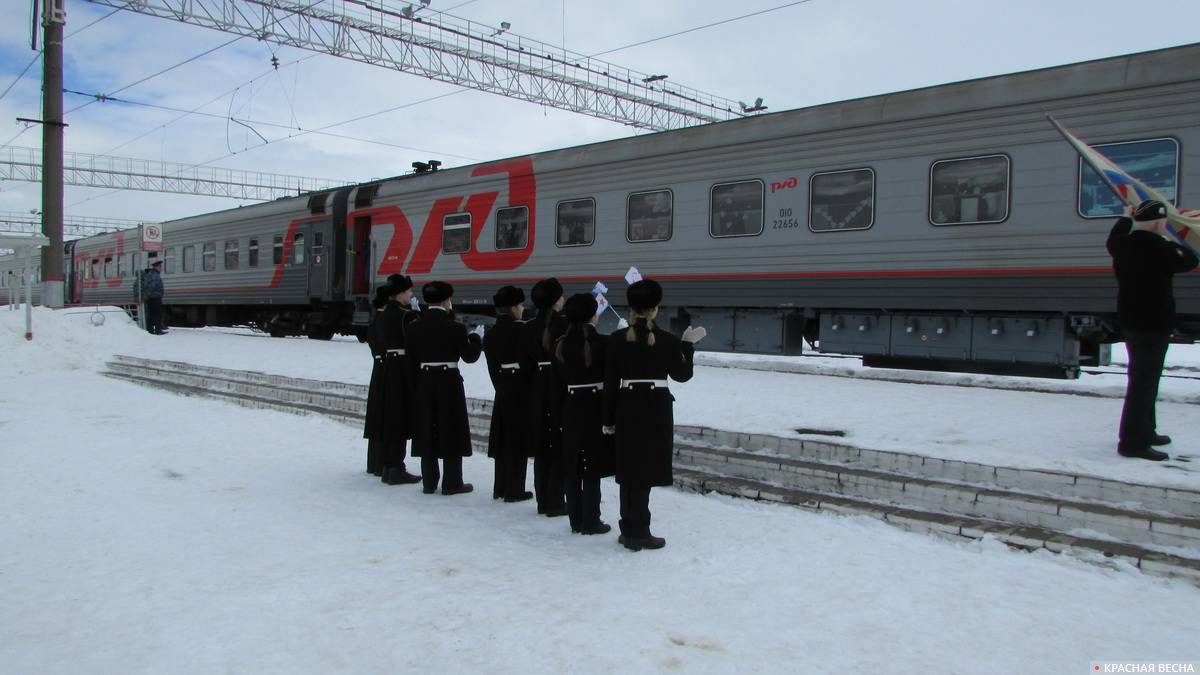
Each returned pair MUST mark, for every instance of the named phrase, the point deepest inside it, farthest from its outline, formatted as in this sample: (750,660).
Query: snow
(144,532)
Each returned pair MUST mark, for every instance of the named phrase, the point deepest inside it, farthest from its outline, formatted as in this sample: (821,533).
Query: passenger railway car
(944,227)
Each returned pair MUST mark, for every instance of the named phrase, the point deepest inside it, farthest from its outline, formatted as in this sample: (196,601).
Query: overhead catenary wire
(707,25)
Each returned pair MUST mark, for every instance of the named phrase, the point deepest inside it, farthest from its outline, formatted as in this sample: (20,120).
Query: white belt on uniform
(654,384)
(543,364)
(590,386)
(395,352)
(510,366)
(378,358)
(451,365)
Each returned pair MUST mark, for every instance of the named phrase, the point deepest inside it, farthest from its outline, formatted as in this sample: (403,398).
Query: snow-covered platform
(1154,528)
(145,532)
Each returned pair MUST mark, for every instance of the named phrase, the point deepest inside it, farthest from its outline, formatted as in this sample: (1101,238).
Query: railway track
(1151,528)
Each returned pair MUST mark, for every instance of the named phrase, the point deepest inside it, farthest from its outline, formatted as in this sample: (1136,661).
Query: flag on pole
(633,276)
(598,292)
(1182,224)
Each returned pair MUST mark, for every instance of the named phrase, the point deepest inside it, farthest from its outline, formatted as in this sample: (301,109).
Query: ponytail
(641,329)
(546,331)
(572,330)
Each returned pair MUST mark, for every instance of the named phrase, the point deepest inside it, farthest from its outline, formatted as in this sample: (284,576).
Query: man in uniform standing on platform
(436,343)
(152,297)
(1145,264)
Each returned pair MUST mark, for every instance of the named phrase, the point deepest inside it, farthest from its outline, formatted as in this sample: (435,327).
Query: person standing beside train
(1145,263)
(397,426)
(638,407)
(151,290)
(545,397)
(373,424)
(587,451)
(504,346)
(436,343)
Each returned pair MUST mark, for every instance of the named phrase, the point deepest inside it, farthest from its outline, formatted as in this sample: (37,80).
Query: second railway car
(944,227)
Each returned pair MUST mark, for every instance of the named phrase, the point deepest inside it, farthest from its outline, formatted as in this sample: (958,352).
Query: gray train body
(945,227)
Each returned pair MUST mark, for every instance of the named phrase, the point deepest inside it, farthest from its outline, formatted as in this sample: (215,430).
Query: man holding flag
(1145,263)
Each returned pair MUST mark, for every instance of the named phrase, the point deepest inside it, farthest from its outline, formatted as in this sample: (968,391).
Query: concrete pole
(53,19)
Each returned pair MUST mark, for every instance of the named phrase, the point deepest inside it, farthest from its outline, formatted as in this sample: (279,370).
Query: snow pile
(67,339)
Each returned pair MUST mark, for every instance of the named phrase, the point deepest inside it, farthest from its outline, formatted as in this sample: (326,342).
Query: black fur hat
(644,295)
(382,293)
(437,291)
(401,282)
(1151,209)
(508,296)
(546,292)
(580,308)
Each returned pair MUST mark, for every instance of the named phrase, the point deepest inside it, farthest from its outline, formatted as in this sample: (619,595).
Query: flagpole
(1099,172)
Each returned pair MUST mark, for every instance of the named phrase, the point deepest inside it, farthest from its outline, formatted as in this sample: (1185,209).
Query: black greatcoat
(440,427)
(1145,265)
(546,390)
(397,387)
(371,427)
(643,416)
(588,452)
(505,344)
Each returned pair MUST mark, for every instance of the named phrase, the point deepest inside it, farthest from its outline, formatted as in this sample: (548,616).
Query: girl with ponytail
(638,407)
(587,452)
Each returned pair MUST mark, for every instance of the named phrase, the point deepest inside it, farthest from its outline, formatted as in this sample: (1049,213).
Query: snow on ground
(144,532)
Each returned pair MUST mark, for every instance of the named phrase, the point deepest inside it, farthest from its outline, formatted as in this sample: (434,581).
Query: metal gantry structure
(126,173)
(74,227)
(438,46)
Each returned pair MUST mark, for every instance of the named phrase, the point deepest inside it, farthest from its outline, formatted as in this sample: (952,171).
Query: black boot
(1160,439)
(1144,453)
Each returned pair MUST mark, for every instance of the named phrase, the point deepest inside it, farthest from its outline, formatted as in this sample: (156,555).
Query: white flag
(599,288)
(601,303)
(633,276)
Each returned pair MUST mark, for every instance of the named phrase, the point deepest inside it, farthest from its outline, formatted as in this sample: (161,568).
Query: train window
(169,261)
(318,247)
(298,249)
(576,222)
(969,191)
(277,250)
(137,264)
(94,270)
(122,265)
(252,253)
(649,215)
(512,228)
(1153,162)
(108,268)
(841,200)
(189,259)
(208,256)
(736,209)
(231,254)
(456,233)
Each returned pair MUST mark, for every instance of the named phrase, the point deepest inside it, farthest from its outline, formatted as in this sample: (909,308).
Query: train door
(366,255)
(319,267)
(73,273)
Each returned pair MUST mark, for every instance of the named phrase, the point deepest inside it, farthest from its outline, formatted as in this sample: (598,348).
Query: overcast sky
(810,53)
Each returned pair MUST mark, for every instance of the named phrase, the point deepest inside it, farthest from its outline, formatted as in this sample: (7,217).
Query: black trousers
(548,482)
(1147,351)
(509,481)
(635,510)
(452,468)
(154,315)
(392,453)
(374,465)
(583,502)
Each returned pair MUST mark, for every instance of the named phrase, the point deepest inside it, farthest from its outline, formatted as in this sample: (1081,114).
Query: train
(946,227)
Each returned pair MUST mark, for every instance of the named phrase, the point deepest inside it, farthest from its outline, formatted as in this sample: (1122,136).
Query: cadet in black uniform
(436,342)
(638,407)
(545,397)
(1145,264)
(504,346)
(393,321)
(587,452)
(372,427)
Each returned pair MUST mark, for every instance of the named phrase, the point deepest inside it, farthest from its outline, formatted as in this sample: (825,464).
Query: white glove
(477,330)
(412,302)
(622,324)
(694,335)
(608,430)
